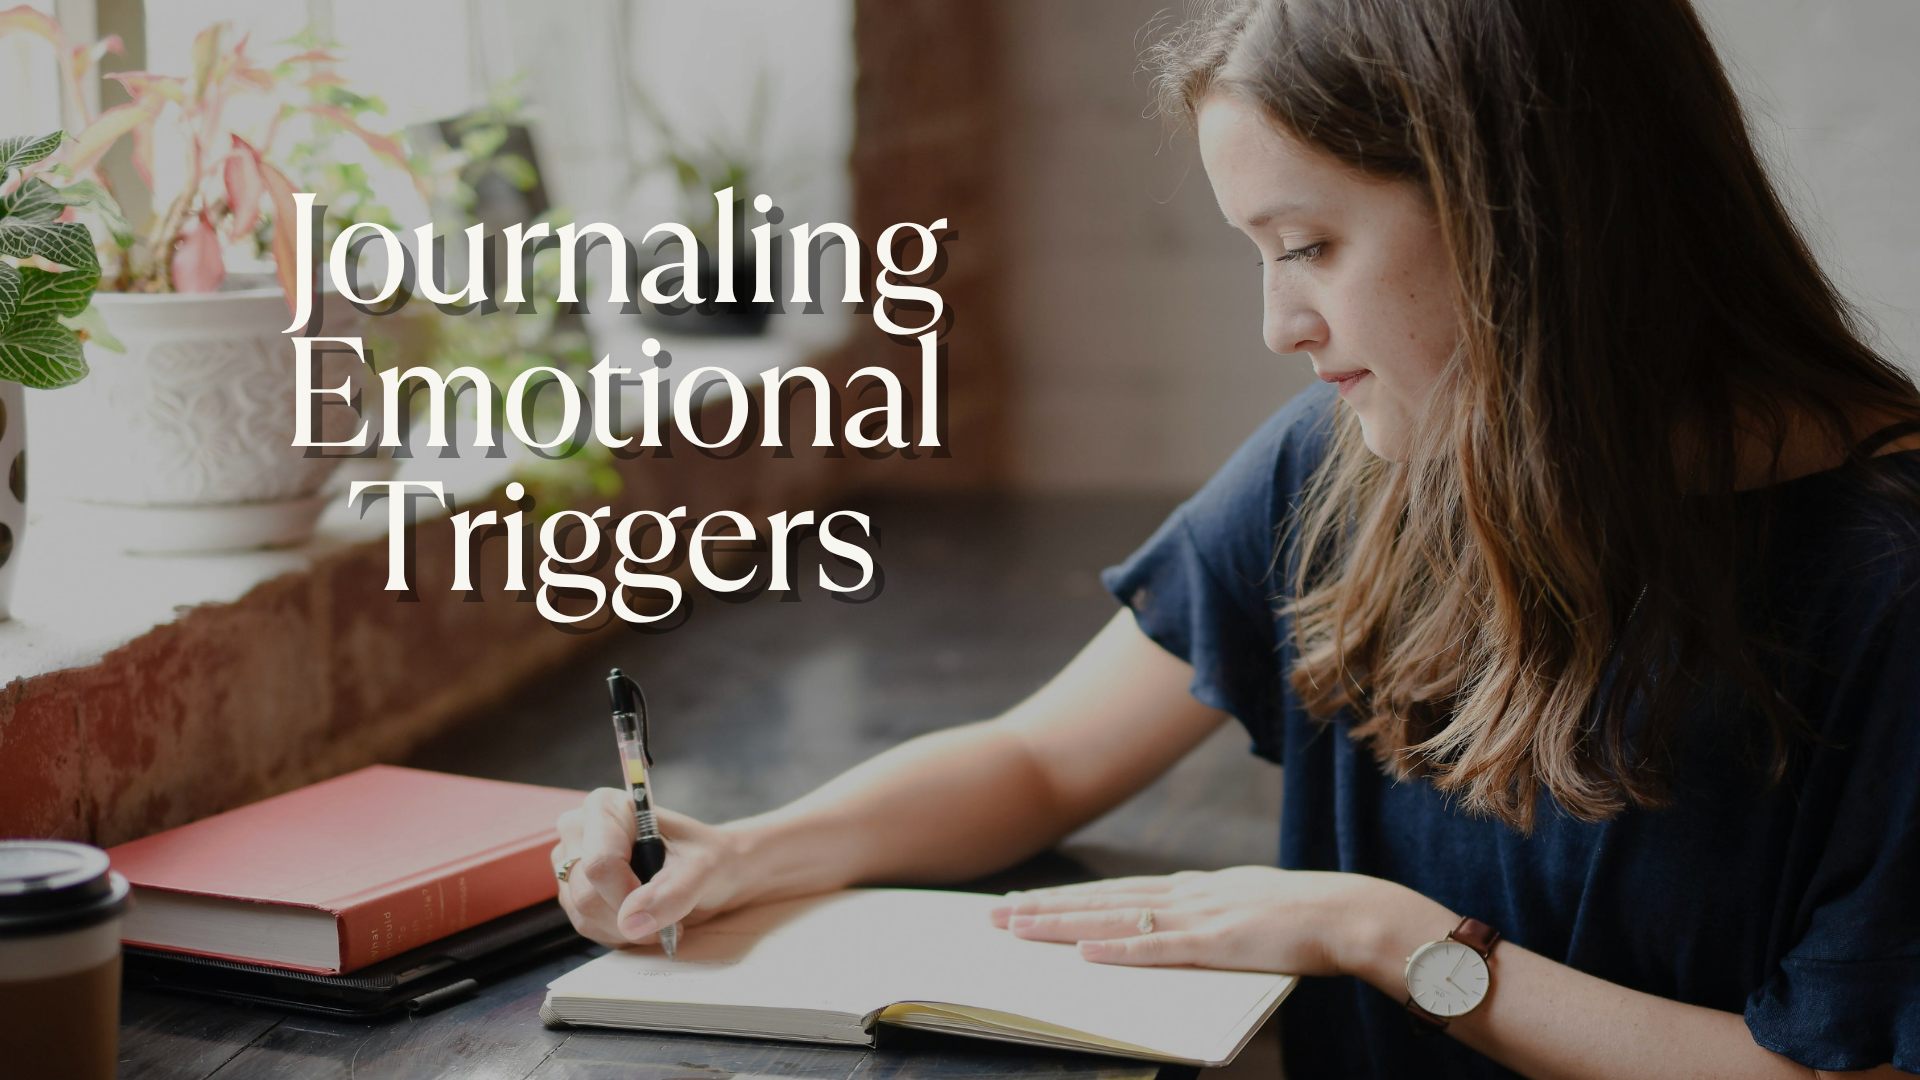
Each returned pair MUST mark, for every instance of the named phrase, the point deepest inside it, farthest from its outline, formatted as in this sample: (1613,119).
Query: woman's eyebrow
(1263,216)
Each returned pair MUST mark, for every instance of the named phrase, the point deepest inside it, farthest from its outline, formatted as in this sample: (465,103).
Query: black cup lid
(49,886)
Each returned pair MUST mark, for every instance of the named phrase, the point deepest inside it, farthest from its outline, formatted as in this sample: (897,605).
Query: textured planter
(13,499)
(184,442)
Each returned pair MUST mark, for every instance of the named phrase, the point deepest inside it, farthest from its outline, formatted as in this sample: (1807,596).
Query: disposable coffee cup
(60,909)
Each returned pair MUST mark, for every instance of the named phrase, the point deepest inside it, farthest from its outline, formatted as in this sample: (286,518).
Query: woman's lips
(1345,380)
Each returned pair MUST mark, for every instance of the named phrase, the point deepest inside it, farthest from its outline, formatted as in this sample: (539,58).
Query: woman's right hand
(606,901)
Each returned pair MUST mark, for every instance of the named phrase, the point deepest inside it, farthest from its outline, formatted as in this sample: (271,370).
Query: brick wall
(927,132)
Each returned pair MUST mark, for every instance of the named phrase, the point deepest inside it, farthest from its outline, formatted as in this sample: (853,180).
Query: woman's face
(1354,271)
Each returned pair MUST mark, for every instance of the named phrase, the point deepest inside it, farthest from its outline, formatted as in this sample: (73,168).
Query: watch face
(1447,978)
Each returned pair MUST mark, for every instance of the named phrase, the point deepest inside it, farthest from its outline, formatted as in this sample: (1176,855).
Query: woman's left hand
(1249,918)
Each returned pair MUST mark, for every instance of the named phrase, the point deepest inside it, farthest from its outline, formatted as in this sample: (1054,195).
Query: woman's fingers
(673,824)
(607,820)
(665,900)
(1085,925)
(569,826)
(603,878)
(603,897)
(568,849)
(592,923)
(1082,895)
(597,841)
(1017,905)
(1149,950)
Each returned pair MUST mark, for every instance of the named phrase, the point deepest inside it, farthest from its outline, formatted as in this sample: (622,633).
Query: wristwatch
(1450,977)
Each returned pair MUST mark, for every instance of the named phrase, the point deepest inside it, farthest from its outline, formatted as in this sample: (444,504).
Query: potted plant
(183,441)
(484,173)
(699,169)
(47,276)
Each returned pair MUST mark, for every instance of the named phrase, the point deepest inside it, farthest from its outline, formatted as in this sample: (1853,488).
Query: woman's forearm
(967,801)
(1548,1021)
(947,806)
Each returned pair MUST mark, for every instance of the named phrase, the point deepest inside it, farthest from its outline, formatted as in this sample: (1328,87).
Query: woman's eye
(1302,254)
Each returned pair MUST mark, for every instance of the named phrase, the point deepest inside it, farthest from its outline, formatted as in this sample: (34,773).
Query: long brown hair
(1635,305)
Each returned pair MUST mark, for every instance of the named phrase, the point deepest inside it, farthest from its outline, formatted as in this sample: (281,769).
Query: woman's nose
(1291,329)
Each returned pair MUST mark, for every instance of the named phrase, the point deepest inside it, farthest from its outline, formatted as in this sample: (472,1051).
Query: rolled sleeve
(1846,994)
(1208,586)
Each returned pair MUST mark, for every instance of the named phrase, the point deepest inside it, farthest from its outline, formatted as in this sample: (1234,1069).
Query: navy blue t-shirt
(1796,904)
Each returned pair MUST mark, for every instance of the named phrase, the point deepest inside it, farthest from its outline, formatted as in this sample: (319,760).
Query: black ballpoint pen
(636,756)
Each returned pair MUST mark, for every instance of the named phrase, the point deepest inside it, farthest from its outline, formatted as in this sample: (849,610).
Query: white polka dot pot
(184,441)
(13,501)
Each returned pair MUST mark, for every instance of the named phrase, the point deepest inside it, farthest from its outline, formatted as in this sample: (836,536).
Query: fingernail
(638,925)
(1021,922)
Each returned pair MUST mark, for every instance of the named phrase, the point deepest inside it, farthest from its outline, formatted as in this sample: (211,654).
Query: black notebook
(434,974)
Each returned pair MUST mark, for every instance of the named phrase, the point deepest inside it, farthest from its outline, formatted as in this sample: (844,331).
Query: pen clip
(646,734)
(630,700)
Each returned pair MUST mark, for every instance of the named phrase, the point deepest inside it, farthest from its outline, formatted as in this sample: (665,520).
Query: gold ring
(566,868)
(1145,921)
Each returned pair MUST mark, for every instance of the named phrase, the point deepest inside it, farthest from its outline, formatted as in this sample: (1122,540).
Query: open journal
(827,969)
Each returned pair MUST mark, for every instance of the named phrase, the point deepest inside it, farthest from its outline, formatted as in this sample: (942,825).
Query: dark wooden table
(754,703)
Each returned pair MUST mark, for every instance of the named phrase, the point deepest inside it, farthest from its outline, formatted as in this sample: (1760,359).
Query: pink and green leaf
(85,57)
(279,190)
(93,143)
(286,226)
(196,265)
(241,175)
(206,54)
(25,19)
(383,147)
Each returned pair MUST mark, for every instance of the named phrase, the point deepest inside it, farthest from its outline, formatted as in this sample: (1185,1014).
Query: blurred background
(1120,314)
(1102,357)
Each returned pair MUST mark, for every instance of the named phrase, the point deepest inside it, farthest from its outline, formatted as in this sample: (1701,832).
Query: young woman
(1580,606)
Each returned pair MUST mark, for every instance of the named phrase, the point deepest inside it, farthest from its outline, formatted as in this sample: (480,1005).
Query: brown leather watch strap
(1423,1022)
(1477,936)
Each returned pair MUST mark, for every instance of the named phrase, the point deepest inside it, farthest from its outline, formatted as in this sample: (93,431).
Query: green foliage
(48,271)
(38,351)
(88,196)
(502,344)
(718,161)
(94,326)
(20,151)
(234,190)
(477,153)
(505,342)
(333,113)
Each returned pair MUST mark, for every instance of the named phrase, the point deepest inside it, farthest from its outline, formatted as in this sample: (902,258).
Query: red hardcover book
(336,876)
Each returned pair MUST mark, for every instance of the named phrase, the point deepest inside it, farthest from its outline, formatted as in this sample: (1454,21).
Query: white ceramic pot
(13,487)
(193,425)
